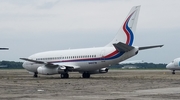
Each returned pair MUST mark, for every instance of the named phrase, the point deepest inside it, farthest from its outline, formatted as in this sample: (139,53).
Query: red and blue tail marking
(129,33)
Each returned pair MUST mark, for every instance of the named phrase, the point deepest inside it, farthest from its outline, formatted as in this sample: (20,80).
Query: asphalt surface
(114,85)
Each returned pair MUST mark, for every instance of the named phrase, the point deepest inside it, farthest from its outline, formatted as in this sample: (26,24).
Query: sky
(32,26)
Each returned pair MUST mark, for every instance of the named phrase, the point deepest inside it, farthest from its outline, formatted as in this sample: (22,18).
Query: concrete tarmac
(114,85)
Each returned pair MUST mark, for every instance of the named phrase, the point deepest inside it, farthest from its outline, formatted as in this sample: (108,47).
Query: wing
(51,65)
(35,61)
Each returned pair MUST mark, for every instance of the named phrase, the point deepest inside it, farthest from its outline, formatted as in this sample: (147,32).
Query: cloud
(30,26)
(62,17)
(47,4)
(55,15)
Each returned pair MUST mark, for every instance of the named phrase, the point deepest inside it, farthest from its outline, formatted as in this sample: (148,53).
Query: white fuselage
(88,59)
(174,65)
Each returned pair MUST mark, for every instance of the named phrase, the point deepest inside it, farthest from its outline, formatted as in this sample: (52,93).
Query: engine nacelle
(49,71)
(103,70)
(100,71)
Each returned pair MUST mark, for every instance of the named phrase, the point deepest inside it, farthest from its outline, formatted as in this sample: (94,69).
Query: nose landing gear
(173,72)
(35,74)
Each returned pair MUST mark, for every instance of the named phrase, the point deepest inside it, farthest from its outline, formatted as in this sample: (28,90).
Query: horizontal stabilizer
(121,47)
(149,47)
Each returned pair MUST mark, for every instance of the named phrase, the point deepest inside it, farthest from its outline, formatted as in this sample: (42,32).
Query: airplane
(89,61)
(4,48)
(174,65)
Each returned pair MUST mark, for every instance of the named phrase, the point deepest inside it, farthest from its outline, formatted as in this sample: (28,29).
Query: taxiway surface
(114,85)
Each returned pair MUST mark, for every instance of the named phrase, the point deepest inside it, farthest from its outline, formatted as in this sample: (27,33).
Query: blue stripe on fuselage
(92,59)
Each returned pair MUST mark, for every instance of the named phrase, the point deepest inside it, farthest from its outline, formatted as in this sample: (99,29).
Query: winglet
(123,47)
(149,47)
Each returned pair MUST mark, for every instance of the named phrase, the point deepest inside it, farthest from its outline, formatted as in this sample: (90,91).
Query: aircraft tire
(173,72)
(65,75)
(86,75)
(35,75)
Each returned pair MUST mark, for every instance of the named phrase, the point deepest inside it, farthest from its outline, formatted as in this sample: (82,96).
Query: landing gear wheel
(35,75)
(64,75)
(86,75)
(173,72)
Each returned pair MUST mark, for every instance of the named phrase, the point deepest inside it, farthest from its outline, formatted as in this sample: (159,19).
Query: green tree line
(18,65)
(142,66)
(10,65)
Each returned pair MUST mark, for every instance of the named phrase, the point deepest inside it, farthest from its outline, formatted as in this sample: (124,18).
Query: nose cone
(24,65)
(30,66)
(169,66)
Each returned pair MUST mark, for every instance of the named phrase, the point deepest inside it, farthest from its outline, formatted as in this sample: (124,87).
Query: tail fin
(125,33)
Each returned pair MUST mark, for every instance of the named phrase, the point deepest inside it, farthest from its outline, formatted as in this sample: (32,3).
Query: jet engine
(103,70)
(100,71)
(49,71)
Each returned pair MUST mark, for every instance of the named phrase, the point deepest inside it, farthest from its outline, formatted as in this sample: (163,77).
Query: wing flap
(123,47)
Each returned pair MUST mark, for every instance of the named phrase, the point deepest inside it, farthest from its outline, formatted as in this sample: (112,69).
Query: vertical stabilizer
(126,32)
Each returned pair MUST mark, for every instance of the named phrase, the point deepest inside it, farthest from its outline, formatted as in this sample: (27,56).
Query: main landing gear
(64,75)
(173,72)
(86,75)
(35,74)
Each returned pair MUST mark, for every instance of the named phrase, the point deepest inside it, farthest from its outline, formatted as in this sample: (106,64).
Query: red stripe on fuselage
(111,54)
